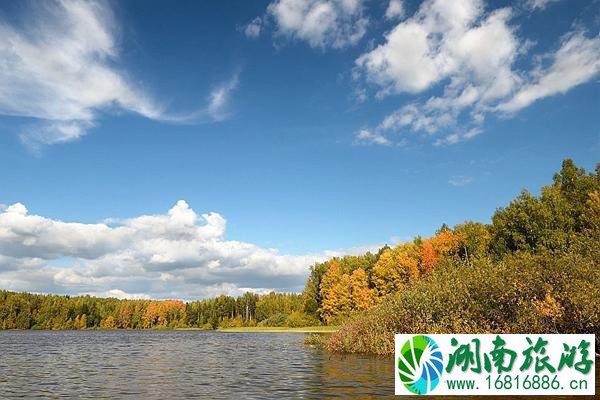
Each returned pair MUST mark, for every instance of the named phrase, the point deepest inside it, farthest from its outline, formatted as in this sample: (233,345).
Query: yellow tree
(108,323)
(331,276)
(80,321)
(363,297)
(395,268)
(124,320)
(151,315)
(336,293)
(591,217)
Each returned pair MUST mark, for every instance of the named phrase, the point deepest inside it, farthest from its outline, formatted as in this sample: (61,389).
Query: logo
(420,364)
(495,364)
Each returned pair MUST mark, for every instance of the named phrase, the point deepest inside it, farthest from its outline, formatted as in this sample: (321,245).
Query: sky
(188,149)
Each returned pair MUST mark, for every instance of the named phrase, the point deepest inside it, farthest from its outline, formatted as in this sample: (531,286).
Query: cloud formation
(220,96)
(575,62)
(365,137)
(58,68)
(469,54)
(539,4)
(460,180)
(395,9)
(321,23)
(179,254)
(252,30)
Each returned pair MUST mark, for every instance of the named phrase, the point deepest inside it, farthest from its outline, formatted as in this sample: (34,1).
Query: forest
(36,311)
(534,268)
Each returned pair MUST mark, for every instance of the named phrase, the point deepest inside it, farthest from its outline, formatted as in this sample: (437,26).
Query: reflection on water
(187,364)
(195,364)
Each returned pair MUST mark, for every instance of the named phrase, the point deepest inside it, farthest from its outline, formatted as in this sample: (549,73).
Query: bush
(206,327)
(278,319)
(316,339)
(523,293)
(236,322)
(298,319)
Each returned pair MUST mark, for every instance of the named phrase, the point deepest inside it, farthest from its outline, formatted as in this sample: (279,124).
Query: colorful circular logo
(420,364)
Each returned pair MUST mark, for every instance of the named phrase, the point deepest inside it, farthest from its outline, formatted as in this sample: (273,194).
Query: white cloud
(321,23)
(460,180)
(60,71)
(395,9)
(576,61)
(424,49)
(59,68)
(365,137)
(179,254)
(470,54)
(252,30)
(539,4)
(220,97)
(119,294)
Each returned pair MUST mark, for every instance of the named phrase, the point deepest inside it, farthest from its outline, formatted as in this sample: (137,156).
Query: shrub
(316,339)
(236,322)
(298,319)
(523,293)
(274,320)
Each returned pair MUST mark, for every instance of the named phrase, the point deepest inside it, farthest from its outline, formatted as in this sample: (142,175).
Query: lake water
(169,364)
(187,364)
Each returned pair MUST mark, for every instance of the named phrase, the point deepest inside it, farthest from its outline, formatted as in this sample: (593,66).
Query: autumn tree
(395,268)
(80,322)
(336,291)
(474,241)
(363,297)
(444,243)
(108,323)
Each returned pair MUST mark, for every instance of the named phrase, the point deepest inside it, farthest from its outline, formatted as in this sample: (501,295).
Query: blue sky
(309,126)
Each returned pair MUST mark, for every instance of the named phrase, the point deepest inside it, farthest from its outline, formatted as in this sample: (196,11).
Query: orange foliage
(160,313)
(433,249)
(124,319)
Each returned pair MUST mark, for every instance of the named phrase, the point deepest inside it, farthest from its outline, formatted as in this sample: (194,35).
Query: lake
(194,364)
(187,364)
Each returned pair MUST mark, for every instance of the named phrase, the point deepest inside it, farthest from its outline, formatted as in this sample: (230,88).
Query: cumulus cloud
(320,23)
(179,254)
(422,50)
(470,54)
(59,68)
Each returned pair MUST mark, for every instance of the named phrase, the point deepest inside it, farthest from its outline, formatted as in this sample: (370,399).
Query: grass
(283,329)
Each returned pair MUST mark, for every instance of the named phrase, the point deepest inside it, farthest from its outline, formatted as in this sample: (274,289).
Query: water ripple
(181,364)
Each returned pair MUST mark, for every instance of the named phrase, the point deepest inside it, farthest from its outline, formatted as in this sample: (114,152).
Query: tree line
(36,311)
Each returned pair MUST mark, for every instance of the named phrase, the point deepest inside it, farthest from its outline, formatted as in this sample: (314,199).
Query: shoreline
(244,329)
(281,329)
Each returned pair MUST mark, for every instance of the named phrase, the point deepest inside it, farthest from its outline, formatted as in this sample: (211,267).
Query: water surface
(189,364)
(176,364)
